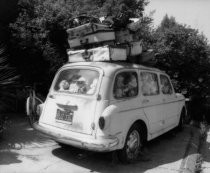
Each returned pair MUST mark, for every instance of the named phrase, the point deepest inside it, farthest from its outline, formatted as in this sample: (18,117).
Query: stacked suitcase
(100,42)
(89,34)
(104,53)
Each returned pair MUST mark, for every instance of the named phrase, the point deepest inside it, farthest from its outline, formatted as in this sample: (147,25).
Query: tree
(38,35)
(8,74)
(101,8)
(8,81)
(167,23)
(38,39)
(182,53)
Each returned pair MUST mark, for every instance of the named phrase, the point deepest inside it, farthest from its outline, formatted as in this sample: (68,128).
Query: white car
(103,106)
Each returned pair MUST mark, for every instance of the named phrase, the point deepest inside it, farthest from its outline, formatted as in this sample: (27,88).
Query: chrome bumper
(84,141)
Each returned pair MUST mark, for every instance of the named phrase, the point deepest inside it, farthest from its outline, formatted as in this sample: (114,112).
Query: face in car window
(126,85)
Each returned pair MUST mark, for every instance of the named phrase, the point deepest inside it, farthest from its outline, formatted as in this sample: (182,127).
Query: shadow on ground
(205,151)
(164,153)
(159,152)
(17,136)
(8,157)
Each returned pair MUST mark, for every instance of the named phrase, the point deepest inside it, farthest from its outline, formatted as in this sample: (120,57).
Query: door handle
(145,101)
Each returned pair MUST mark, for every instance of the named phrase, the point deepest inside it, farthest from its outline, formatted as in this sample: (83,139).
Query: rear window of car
(77,81)
(126,85)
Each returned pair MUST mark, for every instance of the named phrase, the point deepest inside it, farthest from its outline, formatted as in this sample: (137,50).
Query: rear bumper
(88,142)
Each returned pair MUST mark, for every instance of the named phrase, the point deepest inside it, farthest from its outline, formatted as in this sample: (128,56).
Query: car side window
(126,85)
(149,83)
(166,87)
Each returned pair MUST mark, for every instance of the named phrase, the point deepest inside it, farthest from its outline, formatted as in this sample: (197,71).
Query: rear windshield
(77,81)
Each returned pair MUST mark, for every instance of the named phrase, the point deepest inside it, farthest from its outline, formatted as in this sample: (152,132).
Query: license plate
(64,115)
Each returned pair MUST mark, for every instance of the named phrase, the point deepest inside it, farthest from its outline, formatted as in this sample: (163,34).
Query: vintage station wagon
(103,106)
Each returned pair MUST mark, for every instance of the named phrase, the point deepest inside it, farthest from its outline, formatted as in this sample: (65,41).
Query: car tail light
(101,123)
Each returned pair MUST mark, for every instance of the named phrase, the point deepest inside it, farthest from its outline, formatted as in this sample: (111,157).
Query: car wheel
(133,145)
(181,121)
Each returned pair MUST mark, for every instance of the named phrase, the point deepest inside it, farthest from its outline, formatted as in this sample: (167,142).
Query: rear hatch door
(72,100)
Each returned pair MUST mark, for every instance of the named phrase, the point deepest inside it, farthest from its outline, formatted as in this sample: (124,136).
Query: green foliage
(38,39)
(146,31)
(8,81)
(101,8)
(167,23)
(132,8)
(182,52)
(7,11)
(38,35)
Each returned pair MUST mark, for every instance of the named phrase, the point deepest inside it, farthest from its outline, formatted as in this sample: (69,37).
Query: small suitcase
(94,38)
(105,53)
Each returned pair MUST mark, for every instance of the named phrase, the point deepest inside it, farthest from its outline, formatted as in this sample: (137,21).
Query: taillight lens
(101,123)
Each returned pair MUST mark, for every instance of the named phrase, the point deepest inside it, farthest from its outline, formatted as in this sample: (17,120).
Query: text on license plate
(64,115)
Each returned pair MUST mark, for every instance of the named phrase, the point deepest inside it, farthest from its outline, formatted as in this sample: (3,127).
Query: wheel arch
(142,126)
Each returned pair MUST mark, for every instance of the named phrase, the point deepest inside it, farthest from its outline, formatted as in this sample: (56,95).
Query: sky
(193,13)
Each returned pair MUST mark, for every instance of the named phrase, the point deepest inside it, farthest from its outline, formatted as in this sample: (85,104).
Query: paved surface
(23,150)
(205,151)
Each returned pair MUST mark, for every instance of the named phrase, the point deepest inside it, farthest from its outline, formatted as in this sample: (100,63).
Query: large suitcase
(105,53)
(86,29)
(90,33)
(94,38)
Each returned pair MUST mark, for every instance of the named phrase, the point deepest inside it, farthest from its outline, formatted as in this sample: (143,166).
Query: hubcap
(133,145)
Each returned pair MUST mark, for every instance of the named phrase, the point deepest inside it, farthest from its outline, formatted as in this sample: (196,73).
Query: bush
(183,54)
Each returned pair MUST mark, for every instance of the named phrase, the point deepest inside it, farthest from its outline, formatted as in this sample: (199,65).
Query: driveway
(23,150)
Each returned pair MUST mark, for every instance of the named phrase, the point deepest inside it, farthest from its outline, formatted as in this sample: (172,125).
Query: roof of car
(111,67)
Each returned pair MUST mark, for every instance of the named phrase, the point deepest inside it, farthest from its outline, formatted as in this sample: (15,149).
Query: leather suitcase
(105,53)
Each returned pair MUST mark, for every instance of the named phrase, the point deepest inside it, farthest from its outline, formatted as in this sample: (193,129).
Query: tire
(181,121)
(133,145)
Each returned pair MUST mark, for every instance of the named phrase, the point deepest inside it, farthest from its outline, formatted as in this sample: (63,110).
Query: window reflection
(126,85)
(77,81)
(149,83)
